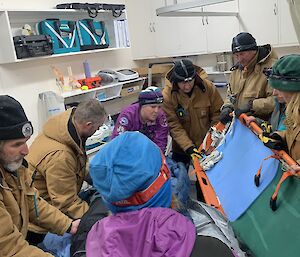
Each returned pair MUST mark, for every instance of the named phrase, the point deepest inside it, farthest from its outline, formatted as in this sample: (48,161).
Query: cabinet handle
(153,26)
(206,20)
(203,21)
(275,9)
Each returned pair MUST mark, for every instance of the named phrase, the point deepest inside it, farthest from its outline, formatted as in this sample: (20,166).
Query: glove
(272,140)
(266,127)
(225,115)
(193,152)
(244,109)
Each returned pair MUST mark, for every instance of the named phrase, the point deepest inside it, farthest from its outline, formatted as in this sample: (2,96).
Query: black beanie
(243,42)
(13,121)
(183,69)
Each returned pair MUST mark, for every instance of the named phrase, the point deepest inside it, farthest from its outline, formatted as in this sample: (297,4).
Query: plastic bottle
(110,123)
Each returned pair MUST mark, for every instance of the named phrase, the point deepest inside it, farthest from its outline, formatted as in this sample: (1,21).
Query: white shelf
(11,22)
(102,88)
(70,54)
(51,10)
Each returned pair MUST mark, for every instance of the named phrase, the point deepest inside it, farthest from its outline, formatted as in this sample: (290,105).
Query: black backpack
(97,211)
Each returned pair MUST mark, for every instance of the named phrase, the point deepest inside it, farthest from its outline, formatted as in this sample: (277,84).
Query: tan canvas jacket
(292,137)
(202,111)
(19,205)
(252,84)
(59,165)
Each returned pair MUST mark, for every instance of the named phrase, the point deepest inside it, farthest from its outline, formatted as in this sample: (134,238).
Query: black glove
(193,152)
(244,109)
(225,115)
(273,141)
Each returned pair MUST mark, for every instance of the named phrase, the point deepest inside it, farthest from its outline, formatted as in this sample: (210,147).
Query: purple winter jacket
(129,120)
(155,232)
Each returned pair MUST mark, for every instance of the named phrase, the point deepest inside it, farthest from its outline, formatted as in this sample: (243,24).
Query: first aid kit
(63,33)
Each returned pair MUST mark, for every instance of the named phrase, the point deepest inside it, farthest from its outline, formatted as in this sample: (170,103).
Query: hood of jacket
(168,234)
(61,128)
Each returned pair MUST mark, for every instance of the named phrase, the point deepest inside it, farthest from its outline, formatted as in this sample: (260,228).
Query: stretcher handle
(258,131)
(209,194)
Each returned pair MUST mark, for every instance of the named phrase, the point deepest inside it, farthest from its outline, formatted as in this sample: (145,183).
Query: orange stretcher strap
(144,196)
(278,154)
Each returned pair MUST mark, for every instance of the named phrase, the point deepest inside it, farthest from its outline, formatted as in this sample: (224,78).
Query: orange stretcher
(209,194)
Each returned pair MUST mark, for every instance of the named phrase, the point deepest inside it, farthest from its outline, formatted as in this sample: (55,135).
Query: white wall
(26,80)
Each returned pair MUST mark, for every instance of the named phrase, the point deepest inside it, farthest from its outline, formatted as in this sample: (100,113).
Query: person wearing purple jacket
(145,116)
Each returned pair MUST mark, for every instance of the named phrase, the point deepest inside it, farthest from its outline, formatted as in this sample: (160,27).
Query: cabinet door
(221,29)
(193,37)
(177,36)
(260,18)
(141,28)
(287,34)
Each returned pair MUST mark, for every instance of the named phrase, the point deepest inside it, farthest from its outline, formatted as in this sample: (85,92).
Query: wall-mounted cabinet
(153,36)
(221,29)
(269,21)
(11,22)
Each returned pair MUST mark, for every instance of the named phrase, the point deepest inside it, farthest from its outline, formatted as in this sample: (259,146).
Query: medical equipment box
(63,33)
(32,46)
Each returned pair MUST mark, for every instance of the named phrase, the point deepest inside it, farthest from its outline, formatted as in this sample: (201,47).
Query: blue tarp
(233,176)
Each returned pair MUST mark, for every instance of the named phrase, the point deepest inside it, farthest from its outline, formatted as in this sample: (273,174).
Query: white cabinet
(175,36)
(221,29)
(11,22)
(287,33)
(157,36)
(269,21)
(153,36)
(141,28)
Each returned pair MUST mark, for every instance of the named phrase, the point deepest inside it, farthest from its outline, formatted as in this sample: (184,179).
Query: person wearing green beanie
(284,78)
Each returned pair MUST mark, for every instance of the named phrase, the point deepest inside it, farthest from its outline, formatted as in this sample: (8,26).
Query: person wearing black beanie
(248,89)
(192,104)
(19,201)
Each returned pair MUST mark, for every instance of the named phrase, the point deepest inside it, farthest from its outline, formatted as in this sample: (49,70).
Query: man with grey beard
(19,201)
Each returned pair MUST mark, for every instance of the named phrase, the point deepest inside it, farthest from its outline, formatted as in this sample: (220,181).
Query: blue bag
(63,33)
(92,34)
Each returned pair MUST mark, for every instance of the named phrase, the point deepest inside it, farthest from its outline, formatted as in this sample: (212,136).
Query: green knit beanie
(285,75)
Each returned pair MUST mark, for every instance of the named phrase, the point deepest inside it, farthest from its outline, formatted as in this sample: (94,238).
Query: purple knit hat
(151,95)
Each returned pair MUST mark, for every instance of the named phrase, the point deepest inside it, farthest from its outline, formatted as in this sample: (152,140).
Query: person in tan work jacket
(248,89)
(57,158)
(192,104)
(285,78)
(19,201)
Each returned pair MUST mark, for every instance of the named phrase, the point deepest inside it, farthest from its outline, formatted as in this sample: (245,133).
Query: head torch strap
(157,100)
